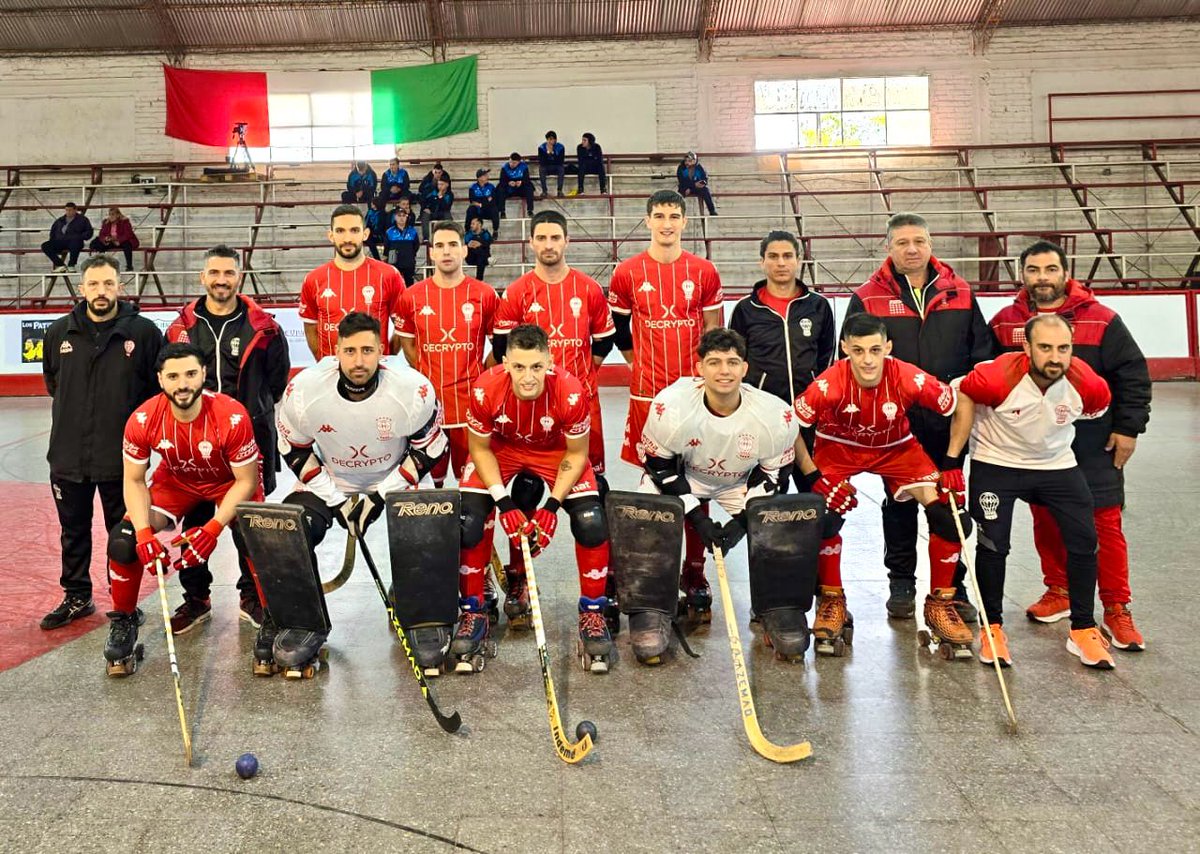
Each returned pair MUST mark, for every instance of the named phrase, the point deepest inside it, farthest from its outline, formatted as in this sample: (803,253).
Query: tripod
(240,150)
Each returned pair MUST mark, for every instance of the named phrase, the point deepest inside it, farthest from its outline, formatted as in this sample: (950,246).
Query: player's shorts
(632,450)
(732,497)
(543,463)
(173,499)
(903,467)
(596,437)
(459,455)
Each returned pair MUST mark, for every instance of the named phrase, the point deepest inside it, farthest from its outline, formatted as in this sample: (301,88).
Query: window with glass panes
(868,111)
(321,126)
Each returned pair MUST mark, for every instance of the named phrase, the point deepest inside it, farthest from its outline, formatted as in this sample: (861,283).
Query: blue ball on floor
(246,765)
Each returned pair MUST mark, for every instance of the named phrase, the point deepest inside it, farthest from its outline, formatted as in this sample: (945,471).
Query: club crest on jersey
(327,293)
(547,423)
(806,327)
(205,448)
(368,293)
(129,345)
(65,347)
(572,398)
(164,445)
(688,287)
(889,411)
(235,346)
(235,419)
(468,311)
(747,444)
(659,409)
(646,287)
(426,310)
(989,503)
(919,380)
(423,391)
(383,424)
(576,305)
(787,417)
(1061,413)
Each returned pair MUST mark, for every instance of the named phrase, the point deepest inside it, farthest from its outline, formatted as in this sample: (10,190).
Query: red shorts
(596,437)
(902,467)
(543,463)
(632,451)
(459,456)
(174,499)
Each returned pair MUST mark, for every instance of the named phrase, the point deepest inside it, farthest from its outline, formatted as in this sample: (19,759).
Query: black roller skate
(299,653)
(595,643)
(429,644)
(264,647)
(472,644)
(516,602)
(491,598)
(122,651)
(612,611)
(649,635)
(786,631)
(696,603)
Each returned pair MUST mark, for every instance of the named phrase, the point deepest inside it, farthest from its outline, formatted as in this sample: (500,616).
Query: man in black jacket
(589,159)
(69,233)
(98,365)
(246,357)
(789,329)
(934,322)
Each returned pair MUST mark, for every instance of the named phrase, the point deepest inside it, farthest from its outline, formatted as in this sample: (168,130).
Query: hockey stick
(763,747)
(451,722)
(969,563)
(347,568)
(183,725)
(568,751)
(498,571)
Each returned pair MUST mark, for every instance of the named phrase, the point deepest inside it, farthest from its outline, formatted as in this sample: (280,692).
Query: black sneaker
(72,607)
(251,611)
(190,614)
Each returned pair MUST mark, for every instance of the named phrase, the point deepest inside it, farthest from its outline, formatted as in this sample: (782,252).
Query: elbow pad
(603,346)
(623,337)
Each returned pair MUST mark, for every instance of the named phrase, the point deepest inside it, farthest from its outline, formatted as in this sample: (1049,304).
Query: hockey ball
(586,728)
(246,765)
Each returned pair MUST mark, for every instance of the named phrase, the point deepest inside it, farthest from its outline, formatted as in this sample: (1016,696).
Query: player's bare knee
(122,543)
(588,524)
(476,509)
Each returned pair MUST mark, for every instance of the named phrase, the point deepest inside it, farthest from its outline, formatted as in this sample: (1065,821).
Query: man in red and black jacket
(246,357)
(935,323)
(1102,446)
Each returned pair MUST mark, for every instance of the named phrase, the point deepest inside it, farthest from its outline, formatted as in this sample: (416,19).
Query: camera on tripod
(239,130)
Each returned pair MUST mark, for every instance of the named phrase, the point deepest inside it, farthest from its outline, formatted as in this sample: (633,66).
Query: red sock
(516,561)
(829,562)
(593,569)
(943,558)
(125,580)
(473,562)
(440,469)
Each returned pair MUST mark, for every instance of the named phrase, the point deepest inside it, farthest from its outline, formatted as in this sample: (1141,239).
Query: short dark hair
(901,219)
(221,250)
(528,336)
(346,210)
(721,340)
(777,236)
(590,137)
(1040,246)
(101,260)
(70,205)
(666,197)
(863,325)
(356,322)
(1046,317)
(178,350)
(552,217)
(448,225)
(551,133)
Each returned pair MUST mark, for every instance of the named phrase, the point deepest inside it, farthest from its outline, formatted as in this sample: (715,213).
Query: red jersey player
(352,281)
(859,409)
(663,300)
(206,442)
(443,323)
(527,417)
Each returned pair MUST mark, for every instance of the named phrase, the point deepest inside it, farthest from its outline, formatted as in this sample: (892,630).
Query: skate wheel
(848,634)
(965,652)
(310,670)
(839,648)
(585,661)
(292,673)
(139,652)
(924,638)
(478,662)
(946,651)
(323,655)
(264,668)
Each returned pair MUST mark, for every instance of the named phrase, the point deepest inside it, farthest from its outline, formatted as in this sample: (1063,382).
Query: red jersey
(561,412)
(200,454)
(667,303)
(450,326)
(573,313)
(843,411)
(329,293)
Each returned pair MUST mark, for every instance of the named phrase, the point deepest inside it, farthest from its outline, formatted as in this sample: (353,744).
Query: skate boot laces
(592,624)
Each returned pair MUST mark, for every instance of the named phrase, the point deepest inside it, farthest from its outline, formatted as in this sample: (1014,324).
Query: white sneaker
(71,269)
(61,268)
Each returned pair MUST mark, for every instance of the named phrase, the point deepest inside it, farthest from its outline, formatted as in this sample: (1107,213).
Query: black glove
(732,532)
(709,531)
(368,509)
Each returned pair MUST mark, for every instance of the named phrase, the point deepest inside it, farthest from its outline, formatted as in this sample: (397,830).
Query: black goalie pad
(277,540)
(423,540)
(784,537)
(645,543)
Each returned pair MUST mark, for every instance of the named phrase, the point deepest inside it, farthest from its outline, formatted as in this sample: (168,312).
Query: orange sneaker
(1091,647)
(1118,625)
(1052,607)
(1001,640)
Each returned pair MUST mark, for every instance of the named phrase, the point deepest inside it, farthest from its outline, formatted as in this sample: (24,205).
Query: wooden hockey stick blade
(183,725)
(498,571)
(347,567)
(762,746)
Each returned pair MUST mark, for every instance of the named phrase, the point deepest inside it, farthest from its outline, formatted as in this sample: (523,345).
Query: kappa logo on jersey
(572,398)
(823,387)
(426,311)
(129,345)
(383,425)
(164,445)
(806,327)
(468,311)
(535,307)
(547,423)
(479,394)
(326,428)
(327,293)
(368,293)
(576,305)
(747,444)
(1061,413)
(850,409)
(693,442)
(503,419)
(141,418)
(65,347)
(235,419)
(646,288)
(896,307)
(205,448)
(919,380)
(688,287)
(889,410)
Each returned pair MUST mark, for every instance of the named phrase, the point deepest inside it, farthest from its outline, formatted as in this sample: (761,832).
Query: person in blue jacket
(515,180)
(394,184)
(552,158)
(481,199)
(693,181)
(403,240)
(361,184)
(376,222)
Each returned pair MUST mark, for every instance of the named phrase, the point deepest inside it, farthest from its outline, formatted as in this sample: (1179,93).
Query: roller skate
(595,643)
(649,635)
(1001,645)
(428,644)
(946,627)
(612,611)
(264,647)
(697,596)
(122,651)
(491,598)
(472,644)
(833,626)
(902,603)
(516,602)
(785,630)
(299,653)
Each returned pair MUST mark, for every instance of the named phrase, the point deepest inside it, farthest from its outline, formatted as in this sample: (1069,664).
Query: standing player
(442,323)
(663,300)
(860,410)
(526,416)
(353,426)
(713,437)
(352,281)
(1019,412)
(1102,446)
(208,455)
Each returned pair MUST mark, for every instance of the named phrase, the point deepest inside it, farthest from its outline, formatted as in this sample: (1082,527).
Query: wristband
(953,462)
(811,478)
(145,535)
(498,492)
(506,504)
(214,528)
(552,504)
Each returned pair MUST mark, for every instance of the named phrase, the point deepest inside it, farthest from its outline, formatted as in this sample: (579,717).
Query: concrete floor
(910,752)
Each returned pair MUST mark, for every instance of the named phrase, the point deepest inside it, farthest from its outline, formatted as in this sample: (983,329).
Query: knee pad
(476,509)
(602,487)
(527,491)
(588,525)
(941,521)
(831,524)
(122,543)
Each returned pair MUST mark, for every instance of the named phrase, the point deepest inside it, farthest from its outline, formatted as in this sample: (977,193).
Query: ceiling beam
(985,24)
(706,29)
(437,29)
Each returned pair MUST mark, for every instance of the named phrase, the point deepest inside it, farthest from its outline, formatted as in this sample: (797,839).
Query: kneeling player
(526,416)
(710,437)
(859,408)
(350,426)
(208,454)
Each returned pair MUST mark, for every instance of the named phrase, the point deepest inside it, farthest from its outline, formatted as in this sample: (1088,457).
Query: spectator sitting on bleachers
(479,246)
(515,180)
(435,205)
(68,234)
(482,198)
(402,243)
(552,158)
(377,221)
(589,160)
(361,184)
(429,182)
(116,232)
(404,208)
(693,181)
(394,183)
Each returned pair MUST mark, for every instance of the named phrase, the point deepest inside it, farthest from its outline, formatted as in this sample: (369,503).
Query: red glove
(540,529)
(512,520)
(953,486)
(198,544)
(150,551)
(840,497)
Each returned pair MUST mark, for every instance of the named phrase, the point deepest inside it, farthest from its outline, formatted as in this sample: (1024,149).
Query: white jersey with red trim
(329,293)
(359,442)
(1017,424)
(843,411)
(559,413)
(720,451)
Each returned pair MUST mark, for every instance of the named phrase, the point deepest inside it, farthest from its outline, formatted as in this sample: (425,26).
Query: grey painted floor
(910,752)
